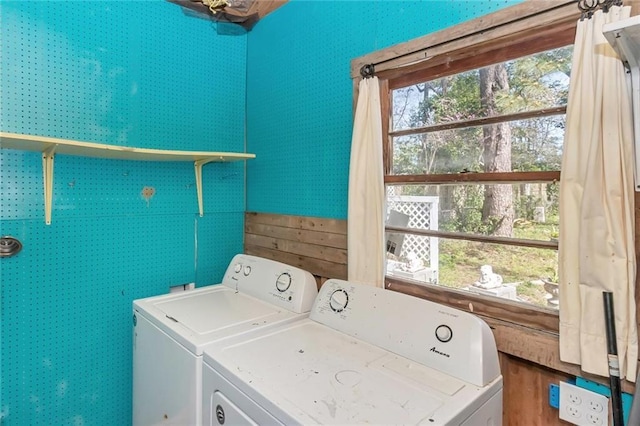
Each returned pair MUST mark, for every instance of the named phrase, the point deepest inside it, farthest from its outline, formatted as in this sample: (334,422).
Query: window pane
(516,273)
(524,84)
(523,210)
(525,145)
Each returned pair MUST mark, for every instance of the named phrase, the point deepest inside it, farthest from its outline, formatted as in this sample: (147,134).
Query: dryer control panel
(449,340)
(277,283)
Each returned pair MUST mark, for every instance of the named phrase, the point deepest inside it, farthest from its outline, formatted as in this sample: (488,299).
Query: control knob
(283,282)
(247,270)
(237,268)
(339,300)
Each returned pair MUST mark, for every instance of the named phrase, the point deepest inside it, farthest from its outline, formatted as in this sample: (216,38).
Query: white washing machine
(365,355)
(170,331)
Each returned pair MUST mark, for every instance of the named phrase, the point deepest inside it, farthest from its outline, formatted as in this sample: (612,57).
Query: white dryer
(365,355)
(170,331)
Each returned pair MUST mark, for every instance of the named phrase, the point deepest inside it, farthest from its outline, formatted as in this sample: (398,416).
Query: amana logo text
(433,349)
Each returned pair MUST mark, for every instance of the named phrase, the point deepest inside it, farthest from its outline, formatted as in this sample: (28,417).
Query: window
(505,122)
(473,123)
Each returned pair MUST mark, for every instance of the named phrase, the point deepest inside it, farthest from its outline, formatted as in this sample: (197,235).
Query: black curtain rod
(589,7)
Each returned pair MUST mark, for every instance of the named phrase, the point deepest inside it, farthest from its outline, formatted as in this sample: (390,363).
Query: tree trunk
(497,209)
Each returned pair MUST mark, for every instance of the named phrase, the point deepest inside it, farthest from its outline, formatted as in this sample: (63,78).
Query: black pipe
(614,366)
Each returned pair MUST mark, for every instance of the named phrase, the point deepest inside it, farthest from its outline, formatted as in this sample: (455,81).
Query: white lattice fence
(423,214)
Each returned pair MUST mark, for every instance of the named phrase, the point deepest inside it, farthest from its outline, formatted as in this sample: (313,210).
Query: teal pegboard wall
(128,73)
(121,73)
(299,92)
(66,302)
(209,230)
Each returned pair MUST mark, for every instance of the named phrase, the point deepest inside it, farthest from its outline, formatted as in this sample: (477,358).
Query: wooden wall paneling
(302,222)
(525,397)
(320,269)
(319,238)
(316,251)
(317,245)
(541,349)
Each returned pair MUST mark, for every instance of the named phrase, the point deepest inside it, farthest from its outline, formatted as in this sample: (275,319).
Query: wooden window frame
(518,31)
(527,332)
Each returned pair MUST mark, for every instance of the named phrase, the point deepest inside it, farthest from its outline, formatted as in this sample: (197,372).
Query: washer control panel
(277,283)
(452,341)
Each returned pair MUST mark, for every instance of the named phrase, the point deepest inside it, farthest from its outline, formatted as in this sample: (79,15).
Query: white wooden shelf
(624,36)
(49,147)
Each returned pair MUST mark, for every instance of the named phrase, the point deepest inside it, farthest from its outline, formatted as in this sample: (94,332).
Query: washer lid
(198,317)
(306,373)
(209,312)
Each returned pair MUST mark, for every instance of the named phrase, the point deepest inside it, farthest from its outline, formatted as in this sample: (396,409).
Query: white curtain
(366,252)
(596,248)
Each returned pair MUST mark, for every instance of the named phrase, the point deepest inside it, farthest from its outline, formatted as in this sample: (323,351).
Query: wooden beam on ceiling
(247,17)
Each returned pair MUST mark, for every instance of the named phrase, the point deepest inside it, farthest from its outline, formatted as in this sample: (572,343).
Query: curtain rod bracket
(367,71)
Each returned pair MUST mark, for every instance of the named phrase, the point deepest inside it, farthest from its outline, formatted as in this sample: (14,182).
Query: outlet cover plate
(583,407)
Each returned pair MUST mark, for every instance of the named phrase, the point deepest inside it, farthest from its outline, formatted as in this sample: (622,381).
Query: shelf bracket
(198,167)
(47,170)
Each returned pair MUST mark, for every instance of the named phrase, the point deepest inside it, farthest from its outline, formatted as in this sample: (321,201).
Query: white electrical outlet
(583,407)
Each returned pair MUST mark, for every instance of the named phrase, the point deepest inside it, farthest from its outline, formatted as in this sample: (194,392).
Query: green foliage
(466,213)
(535,82)
(525,206)
(452,98)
